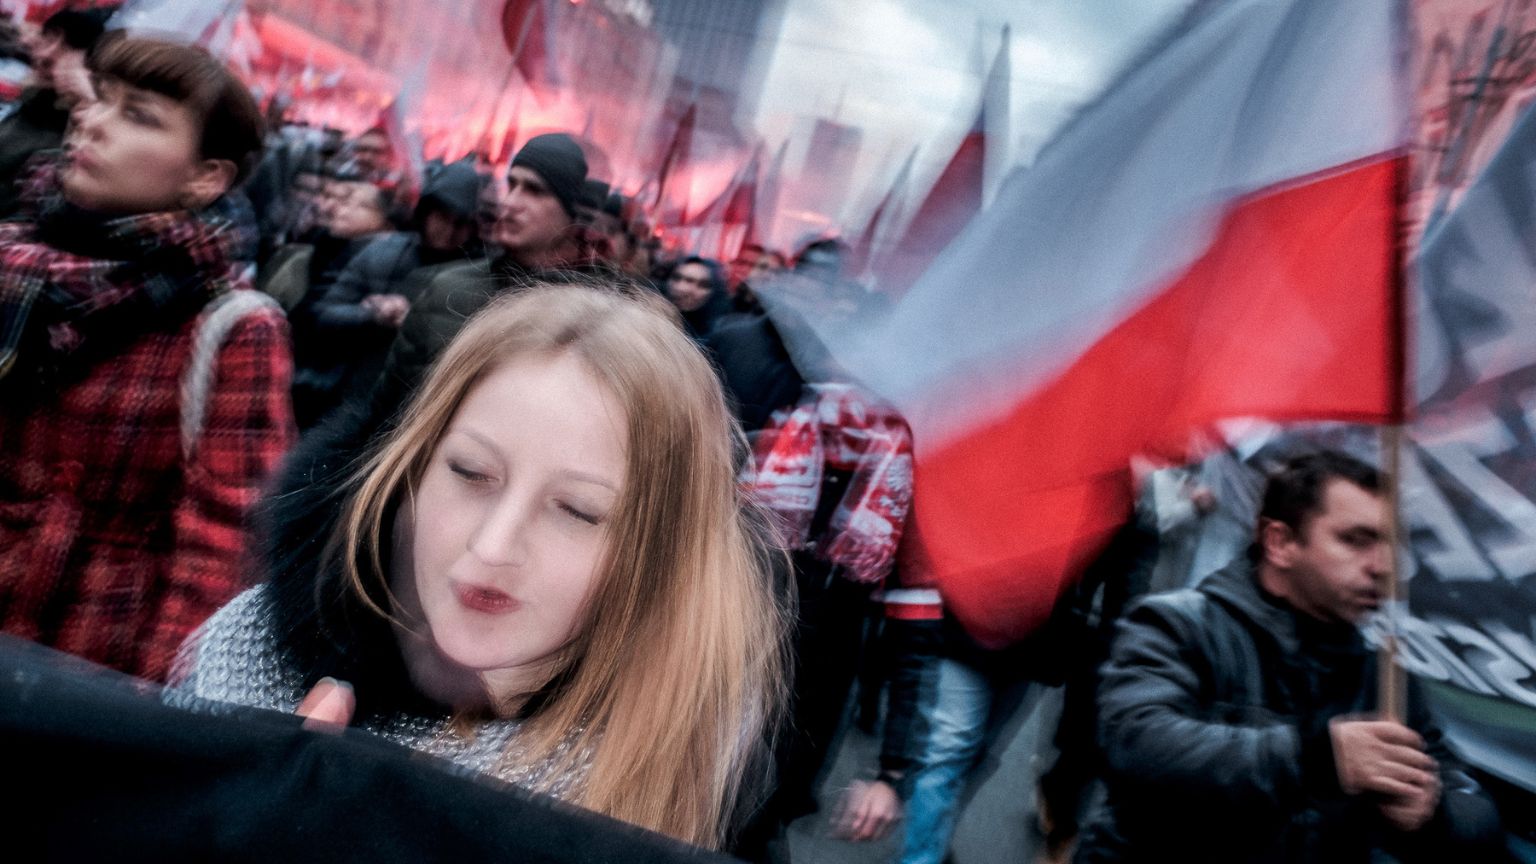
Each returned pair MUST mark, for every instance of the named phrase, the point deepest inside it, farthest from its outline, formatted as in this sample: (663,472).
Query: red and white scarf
(838,427)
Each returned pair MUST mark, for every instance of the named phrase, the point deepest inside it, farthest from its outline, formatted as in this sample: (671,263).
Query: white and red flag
(725,224)
(960,189)
(1215,237)
(406,144)
(670,201)
(872,240)
(765,204)
(221,26)
(530,28)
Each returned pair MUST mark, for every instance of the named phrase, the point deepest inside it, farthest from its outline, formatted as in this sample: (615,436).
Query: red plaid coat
(110,546)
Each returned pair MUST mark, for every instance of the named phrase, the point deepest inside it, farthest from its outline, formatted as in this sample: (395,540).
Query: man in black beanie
(60,80)
(546,180)
(536,233)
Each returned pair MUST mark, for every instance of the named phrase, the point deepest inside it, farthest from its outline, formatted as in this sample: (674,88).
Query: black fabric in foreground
(104,771)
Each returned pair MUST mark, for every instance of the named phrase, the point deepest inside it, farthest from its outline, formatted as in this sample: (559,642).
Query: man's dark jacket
(1213,719)
(342,345)
(444,297)
(350,348)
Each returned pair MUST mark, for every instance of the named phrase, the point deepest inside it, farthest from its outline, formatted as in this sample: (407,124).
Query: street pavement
(997,825)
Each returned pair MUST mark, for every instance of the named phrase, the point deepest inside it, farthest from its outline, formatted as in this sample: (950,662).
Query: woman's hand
(329,706)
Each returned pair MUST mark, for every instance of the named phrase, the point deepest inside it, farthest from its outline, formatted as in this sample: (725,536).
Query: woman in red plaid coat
(128,464)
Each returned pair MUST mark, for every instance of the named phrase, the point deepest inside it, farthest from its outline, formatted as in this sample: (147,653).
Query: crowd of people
(482,468)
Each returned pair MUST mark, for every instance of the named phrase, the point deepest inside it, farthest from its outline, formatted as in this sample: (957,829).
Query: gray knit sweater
(234,658)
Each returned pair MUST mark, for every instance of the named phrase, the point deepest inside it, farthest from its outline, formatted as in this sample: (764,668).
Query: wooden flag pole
(1392,683)
(1392,679)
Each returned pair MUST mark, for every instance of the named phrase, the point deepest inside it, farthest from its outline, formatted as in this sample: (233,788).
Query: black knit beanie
(557,158)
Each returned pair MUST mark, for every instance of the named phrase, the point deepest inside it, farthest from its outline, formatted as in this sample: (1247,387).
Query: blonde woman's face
(511,520)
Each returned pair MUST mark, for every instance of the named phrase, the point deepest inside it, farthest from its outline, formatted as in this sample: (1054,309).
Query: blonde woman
(543,572)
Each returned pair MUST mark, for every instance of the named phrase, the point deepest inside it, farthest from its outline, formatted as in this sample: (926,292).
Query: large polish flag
(1216,237)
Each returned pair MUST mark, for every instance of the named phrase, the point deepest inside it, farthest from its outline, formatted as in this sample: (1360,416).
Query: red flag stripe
(1285,316)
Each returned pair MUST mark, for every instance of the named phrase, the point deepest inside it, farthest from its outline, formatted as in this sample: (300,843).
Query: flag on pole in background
(726,223)
(868,244)
(1217,236)
(505,127)
(766,203)
(212,25)
(405,143)
(671,196)
(958,193)
(530,29)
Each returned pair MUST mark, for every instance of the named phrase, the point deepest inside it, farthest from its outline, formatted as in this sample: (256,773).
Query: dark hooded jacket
(446,297)
(343,345)
(1214,710)
(385,264)
(319,627)
(755,367)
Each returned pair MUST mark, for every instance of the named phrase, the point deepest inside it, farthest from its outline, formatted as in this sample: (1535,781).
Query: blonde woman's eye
(589,518)
(469,475)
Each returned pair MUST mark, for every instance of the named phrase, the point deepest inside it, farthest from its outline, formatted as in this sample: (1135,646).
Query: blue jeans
(953,723)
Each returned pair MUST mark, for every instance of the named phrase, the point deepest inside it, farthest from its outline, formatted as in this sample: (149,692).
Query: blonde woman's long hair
(674,680)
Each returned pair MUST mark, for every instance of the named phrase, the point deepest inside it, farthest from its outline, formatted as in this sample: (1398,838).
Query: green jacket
(446,296)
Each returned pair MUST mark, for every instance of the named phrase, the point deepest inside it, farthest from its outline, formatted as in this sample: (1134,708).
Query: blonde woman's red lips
(487,600)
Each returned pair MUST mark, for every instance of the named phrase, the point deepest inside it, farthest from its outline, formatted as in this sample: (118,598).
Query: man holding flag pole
(1239,720)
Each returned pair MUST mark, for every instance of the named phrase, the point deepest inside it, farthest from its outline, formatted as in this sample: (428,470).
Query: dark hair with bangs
(232,125)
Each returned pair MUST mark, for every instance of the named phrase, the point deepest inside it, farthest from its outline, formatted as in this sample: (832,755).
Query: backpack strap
(219,317)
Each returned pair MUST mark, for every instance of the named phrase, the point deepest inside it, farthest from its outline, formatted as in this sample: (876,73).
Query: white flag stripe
(1252,93)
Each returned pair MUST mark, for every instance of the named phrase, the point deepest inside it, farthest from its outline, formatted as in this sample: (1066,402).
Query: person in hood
(1238,719)
(124,482)
(347,329)
(443,232)
(759,375)
(697,288)
(60,83)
